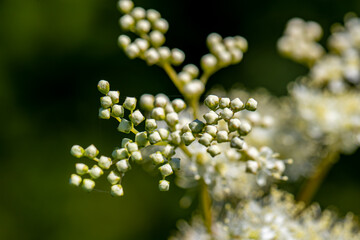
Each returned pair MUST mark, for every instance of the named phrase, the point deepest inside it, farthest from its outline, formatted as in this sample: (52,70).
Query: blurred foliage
(53,52)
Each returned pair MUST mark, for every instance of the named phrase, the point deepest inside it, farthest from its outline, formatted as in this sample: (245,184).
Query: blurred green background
(53,53)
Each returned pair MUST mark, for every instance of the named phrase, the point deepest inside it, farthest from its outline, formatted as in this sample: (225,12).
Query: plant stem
(205,205)
(173,76)
(312,185)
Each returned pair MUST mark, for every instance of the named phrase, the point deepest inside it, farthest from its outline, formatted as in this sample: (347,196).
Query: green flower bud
(251,104)
(141,139)
(206,139)
(212,130)
(175,138)
(152,15)
(136,156)
(130,103)
(147,102)
(157,38)
(106,102)
(196,126)
(178,105)
(120,153)
(161,24)
(164,133)
(77,151)
(172,118)
(103,86)
(125,6)
(114,95)
(224,102)
(177,56)
(158,113)
(236,105)
(126,22)
(150,125)
(157,158)
(123,42)
(211,117)
(138,13)
(222,136)
(125,126)
(137,117)
(154,137)
(212,102)
(234,124)
(131,147)
(117,111)
(192,70)
(237,142)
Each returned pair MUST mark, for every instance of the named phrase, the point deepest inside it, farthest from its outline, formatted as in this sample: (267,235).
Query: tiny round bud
(229,42)
(150,125)
(125,126)
(237,142)
(224,58)
(222,136)
(212,101)
(117,111)
(130,103)
(175,138)
(137,117)
(138,13)
(211,117)
(123,41)
(125,141)
(212,130)
(168,151)
(123,165)
(152,56)
(147,102)
(103,86)
(117,190)
(234,124)
(136,156)
(252,166)
(226,114)
(132,51)
(158,113)
(164,53)
(141,139)
(187,138)
(172,118)
(131,147)
(154,137)
(152,15)
(178,105)
(236,105)
(196,126)
(164,185)
(114,95)
(157,158)
(161,24)
(251,104)
(166,170)
(214,150)
(81,168)
(91,152)
(245,128)
(213,38)
(143,26)
(104,113)
(161,100)
(142,44)
(120,153)
(88,185)
(164,133)
(157,38)
(77,151)
(126,22)
(113,178)
(208,62)
(192,70)
(224,102)
(177,56)
(75,180)
(95,172)
(184,77)
(105,162)
(125,6)
(241,43)
(206,139)
(194,88)
(105,102)
(236,55)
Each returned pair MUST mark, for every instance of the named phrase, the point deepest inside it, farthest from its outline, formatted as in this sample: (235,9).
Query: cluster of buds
(300,41)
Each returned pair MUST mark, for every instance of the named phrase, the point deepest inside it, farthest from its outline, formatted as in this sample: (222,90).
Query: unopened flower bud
(234,124)
(196,126)
(132,51)
(214,150)
(142,44)
(154,137)
(77,151)
(224,102)
(177,56)
(164,53)
(113,178)
(131,147)
(114,95)
(222,136)
(212,130)
(236,105)
(172,118)
(88,185)
(209,62)
(105,102)
(226,114)
(141,139)
(120,153)
(178,105)
(156,38)
(137,117)
(161,100)
(236,55)
(104,113)
(117,111)
(152,56)
(103,86)
(130,103)
(125,6)
(213,38)
(95,172)
(166,170)
(212,102)
(152,15)
(252,166)
(241,43)
(168,151)
(175,138)
(123,165)
(164,185)
(81,168)
(126,22)
(187,138)
(224,58)
(75,180)
(123,41)
(91,152)
(164,133)
(184,77)
(206,139)
(251,104)
(117,190)
(105,162)
(150,125)
(147,102)
(136,156)
(138,13)
(245,128)
(125,126)
(158,113)
(211,117)
(161,24)
(192,70)
(194,88)
(237,142)
(157,158)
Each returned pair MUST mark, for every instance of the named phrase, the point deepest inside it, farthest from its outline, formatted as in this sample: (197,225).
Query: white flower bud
(226,114)
(130,103)
(113,178)
(137,117)
(214,150)
(187,138)
(95,172)
(245,128)
(236,105)
(241,43)
(103,86)
(120,153)
(125,6)
(212,101)
(123,41)
(136,156)
(81,168)
(164,185)
(123,165)
(104,113)
(152,15)
(194,88)
(88,185)
(169,109)
(224,102)
(150,125)
(126,22)
(125,126)
(132,51)
(224,58)
(164,133)
(164,53)
(168,151)
(175,163)
(208,62)
(212,130)
(229,42)
(161,100)
(91,152)
(157,38)
(75,180)
(172,118)
(236,55)
(206,139)
(211,117)
(184,77)
(158,113)
(154,137)
(161,24)
(178,105)
(131,147)
(192,70)
(222,136)
(138,13)
(105,102)
(141,139)
(157,158)
(237,142)
(213,38)
(117,111)
(166,170)
(152,56)
(175,138)
(196,126)
(147,102)
(177,56)
(252,166)
(234,124)
(105,162)
(186,128)
(218,49)
(77,151)
(117,190)
(251,104)
(142,44)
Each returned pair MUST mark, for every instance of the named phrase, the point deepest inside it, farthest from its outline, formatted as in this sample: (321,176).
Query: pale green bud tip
(137,117)
(103,86)
(157,158)
(226,114)
(211,117)
(251,104)
(212,101)
(75,180)
(132,51)
(125,141)
(125,126)
(206,139)
(164,185)
(113,178)
(213,38)
(117,190)
(130,103)
(147,102)
(141,139)
(164,133)
(105,162)
(77,151)
(234,124)
(245,128)
(138,13)
(95,172)
(166,170)
(91,152)
(125,6)
(152,56)
(164,53)
(154,138)
(88,185)
(212,130)
(168,151)
(177,56)
(81,168)
(157,38)
(123,165)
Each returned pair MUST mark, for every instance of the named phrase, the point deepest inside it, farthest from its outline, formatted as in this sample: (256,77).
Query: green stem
(205,205)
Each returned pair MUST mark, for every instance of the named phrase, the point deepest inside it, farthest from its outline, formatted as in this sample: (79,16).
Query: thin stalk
(173,76)
(311,186)
(205,205)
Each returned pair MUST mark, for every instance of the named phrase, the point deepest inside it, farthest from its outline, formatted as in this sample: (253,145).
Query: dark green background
(53,53)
